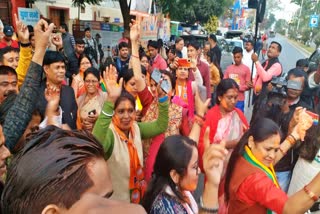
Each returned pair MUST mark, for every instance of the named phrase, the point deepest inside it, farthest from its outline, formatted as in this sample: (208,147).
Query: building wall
(43,7)
(107,9)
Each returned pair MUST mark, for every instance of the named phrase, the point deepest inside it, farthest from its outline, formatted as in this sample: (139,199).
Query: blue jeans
(240,105)
(284,179)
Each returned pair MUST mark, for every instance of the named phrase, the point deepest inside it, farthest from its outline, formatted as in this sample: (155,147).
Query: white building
(61,11)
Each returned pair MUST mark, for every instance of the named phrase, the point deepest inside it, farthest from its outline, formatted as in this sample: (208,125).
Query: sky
(288,10)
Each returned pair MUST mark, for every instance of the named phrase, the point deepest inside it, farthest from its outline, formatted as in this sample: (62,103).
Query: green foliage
(281,26)
(82,3)
(317,40)
(309,7)
(191,11)
(212,24)
(271,21)
(305,35)
(125,11)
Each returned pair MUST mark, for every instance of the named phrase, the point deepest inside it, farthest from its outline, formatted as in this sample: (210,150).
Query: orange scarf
(137,183)
(184,93)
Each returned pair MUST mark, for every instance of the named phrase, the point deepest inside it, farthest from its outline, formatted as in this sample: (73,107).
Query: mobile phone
(315,117)
(156,75)
(93,112)
(165,86)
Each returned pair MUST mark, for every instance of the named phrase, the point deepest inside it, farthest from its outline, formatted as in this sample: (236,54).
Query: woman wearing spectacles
(90,103)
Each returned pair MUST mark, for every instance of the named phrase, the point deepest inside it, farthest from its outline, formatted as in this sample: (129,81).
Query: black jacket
(67,103)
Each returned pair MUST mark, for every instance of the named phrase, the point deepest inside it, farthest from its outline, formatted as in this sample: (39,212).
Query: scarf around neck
(137,183)
(269,171)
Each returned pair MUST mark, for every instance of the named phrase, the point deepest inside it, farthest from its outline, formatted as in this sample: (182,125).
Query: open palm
(110,77)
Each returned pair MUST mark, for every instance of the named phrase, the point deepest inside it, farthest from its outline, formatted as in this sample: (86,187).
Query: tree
(271,21)
(302,17)
(281,26)
(191,11)
(82,3)
(125,10)
(212,25)
(317,40)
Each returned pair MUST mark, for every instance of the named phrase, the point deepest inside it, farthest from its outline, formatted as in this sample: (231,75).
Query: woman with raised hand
(251,185)
(176,174)
(121,138)
(178,120)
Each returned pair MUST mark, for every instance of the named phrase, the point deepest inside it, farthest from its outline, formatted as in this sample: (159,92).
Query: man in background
(7,39)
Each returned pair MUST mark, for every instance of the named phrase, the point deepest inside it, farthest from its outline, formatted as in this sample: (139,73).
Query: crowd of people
(85,133)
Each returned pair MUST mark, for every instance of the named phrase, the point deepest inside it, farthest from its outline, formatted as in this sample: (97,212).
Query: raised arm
(213,157)
(26,100)
(114,91)
(201,109)
(135,60)
(266,76)
(25,54)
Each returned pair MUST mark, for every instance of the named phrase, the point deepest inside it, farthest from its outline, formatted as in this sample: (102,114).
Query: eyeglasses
(91,81)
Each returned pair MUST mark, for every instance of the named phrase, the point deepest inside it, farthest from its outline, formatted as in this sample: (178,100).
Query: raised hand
(42,33)
(52,95)
(305,122)
(22,30)
(213,157)
(114,89)
(56,39)
(200,106)
(135,29)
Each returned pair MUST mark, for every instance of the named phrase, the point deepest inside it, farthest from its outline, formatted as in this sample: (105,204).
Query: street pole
(255,41)
(300,15)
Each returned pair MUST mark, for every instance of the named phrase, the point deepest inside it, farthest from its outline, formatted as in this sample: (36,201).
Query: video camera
(278,94)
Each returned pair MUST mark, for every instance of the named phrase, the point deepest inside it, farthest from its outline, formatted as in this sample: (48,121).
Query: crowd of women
(144,138)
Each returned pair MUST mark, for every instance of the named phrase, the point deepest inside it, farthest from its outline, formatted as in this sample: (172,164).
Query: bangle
(25,45)
(198,120)
(206,209)
(163,99)
(108,115)
(135,56)
(200,117)
(310,194)
(60,49)
(291,139)
(282,152)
